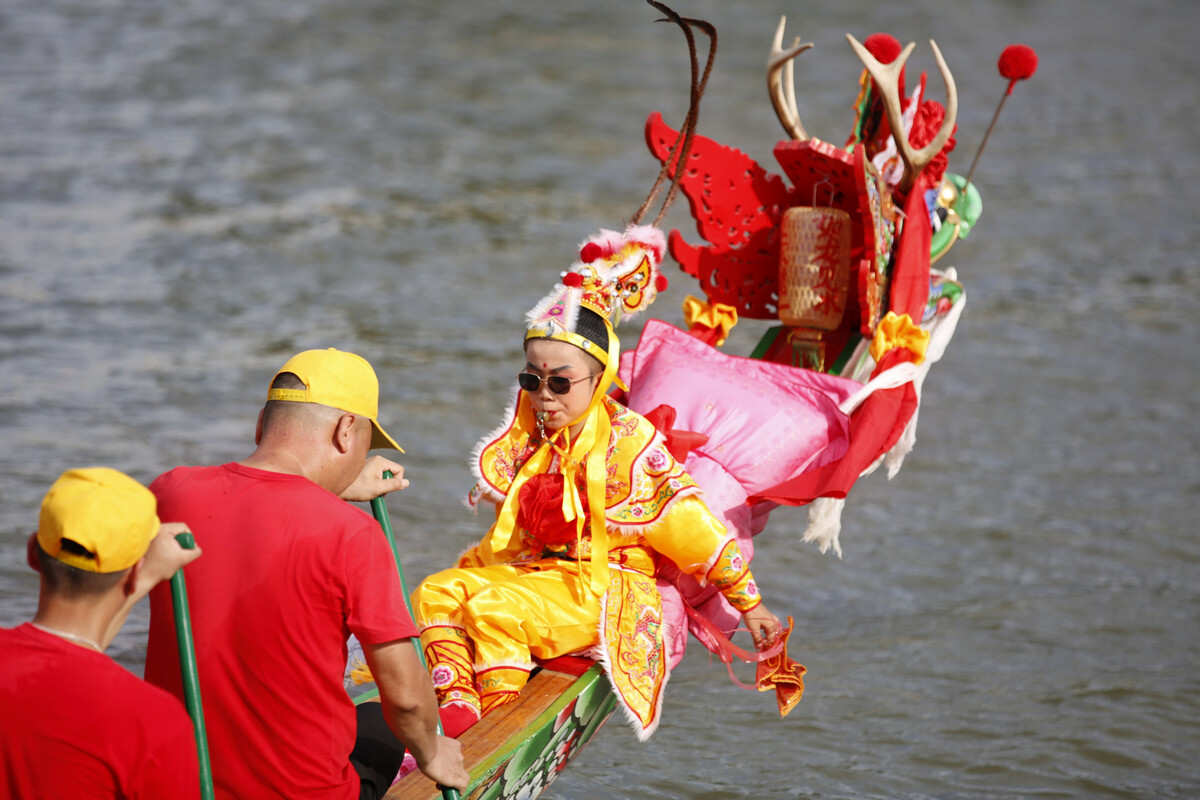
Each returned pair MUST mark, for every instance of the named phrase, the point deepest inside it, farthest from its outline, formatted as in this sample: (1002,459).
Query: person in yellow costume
(589,502)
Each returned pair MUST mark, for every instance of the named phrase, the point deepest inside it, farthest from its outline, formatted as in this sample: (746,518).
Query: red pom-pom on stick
(1017,63)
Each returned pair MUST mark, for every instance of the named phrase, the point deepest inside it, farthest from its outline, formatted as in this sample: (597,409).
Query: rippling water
(189,193)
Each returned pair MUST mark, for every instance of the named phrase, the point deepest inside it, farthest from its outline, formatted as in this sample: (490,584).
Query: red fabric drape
(875,427)
(910,277)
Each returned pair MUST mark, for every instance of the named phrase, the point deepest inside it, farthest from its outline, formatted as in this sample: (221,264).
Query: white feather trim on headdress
(559,308)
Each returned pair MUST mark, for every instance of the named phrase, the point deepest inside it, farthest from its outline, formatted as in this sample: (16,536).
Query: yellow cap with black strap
(105,512)
(340,380)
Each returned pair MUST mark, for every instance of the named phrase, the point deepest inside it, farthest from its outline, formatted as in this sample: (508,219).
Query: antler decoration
(683,144)
(886,78)
(782,88)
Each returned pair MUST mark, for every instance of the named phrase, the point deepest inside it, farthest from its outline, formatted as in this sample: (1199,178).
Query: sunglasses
(559,384)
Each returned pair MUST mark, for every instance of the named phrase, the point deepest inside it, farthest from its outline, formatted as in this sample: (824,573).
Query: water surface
(190,193)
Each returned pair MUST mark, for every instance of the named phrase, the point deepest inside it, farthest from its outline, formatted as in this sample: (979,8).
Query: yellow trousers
(509,614)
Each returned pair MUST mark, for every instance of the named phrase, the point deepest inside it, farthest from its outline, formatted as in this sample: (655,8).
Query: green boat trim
(519,750)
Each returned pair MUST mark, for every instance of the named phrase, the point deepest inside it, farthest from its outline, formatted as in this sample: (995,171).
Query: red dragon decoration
(739,206)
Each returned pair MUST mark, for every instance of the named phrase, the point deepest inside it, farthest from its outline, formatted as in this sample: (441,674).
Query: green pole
(187,666)
(379,509)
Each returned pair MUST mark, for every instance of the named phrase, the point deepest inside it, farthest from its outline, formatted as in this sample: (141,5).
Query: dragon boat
(841,260)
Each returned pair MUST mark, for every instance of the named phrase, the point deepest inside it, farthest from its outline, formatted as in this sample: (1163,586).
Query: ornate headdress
(618,274)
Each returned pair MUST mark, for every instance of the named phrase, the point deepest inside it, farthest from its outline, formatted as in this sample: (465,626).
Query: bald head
(287,419)
(325,444)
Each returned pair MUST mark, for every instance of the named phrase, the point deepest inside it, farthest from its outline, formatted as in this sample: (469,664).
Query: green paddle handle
(379,509)
(187,666)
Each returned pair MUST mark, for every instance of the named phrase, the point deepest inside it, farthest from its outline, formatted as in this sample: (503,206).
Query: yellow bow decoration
(717,316)
(897,330)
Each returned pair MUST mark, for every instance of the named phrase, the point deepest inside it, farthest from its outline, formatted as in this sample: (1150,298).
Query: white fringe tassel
(825,523)
(825,513)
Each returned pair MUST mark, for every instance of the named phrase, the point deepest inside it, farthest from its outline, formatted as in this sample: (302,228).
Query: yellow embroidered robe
(652,510)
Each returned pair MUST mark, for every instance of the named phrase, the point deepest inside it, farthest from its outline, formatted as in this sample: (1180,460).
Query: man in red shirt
(290,571)
(72,722)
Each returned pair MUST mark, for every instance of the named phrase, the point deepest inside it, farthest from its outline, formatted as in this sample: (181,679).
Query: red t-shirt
(73,723)
(289,571)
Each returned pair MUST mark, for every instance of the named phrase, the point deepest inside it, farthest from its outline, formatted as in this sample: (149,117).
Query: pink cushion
(766,422)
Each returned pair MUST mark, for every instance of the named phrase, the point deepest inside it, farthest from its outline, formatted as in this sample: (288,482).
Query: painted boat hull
(520,749)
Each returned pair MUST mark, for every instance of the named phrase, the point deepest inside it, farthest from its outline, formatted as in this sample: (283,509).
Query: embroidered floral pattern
(442,676)
(632,629)
(448,653)
(733,578)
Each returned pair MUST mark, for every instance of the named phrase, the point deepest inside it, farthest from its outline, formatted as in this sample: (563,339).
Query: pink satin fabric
(765,422)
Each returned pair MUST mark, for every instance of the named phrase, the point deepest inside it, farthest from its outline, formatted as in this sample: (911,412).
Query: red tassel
(1017,63)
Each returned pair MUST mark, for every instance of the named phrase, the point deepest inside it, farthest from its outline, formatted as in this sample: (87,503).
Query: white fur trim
(639,528)
(571,297)
(605,239)
(510,413)
(649,235)
(657,442)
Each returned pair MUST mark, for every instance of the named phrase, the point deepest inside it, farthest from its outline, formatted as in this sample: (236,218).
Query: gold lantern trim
(814,278)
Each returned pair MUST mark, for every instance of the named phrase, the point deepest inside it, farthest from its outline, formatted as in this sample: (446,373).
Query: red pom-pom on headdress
(573,280)
(1017,63)
(886,48)
(883,46)
(590,252)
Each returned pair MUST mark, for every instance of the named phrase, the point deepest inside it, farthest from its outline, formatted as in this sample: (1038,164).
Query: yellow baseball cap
(340,380)
(105,512)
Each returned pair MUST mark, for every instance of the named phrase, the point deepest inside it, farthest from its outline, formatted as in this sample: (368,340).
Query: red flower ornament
(540,509)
